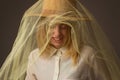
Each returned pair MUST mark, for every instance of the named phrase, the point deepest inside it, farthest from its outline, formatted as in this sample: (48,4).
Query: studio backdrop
(106,13)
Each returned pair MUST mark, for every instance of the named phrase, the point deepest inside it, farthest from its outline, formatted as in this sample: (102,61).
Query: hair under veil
(84,30)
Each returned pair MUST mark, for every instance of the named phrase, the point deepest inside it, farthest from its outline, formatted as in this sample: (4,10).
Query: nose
(56,31)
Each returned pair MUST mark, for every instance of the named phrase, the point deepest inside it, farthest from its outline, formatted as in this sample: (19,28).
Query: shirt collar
(59,51)
(63,50)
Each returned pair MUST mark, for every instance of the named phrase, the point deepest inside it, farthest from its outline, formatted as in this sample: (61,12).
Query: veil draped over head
(84,30)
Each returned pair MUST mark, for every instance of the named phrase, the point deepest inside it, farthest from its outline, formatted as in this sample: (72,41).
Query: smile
(57,40)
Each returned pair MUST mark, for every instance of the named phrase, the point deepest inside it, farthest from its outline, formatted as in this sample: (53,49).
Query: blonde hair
(41,40)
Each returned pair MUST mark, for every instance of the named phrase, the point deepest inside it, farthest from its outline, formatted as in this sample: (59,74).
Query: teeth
(57,39)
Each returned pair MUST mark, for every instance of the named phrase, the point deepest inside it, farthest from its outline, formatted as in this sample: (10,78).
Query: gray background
(106,13)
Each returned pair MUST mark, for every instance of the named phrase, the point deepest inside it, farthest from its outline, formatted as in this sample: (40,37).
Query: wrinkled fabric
(60,68)
(105,65)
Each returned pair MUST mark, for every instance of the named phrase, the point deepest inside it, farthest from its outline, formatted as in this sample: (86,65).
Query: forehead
(61,25)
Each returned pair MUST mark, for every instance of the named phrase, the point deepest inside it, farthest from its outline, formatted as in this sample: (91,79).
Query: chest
(59,69)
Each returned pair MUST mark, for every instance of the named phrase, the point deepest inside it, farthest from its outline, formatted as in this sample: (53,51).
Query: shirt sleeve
(30,75)
(98,68)
(30,70)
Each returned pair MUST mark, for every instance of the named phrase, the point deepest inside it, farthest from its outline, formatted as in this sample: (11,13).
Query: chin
(57,46)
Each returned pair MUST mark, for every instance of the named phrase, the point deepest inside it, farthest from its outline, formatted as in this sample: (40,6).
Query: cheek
(65,33)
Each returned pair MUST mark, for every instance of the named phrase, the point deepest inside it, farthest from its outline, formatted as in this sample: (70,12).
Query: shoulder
(34,54)
(88,49)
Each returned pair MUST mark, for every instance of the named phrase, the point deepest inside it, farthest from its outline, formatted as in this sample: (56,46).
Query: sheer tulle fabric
(84,29)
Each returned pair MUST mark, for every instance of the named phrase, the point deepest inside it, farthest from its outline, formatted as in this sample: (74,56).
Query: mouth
(57,39)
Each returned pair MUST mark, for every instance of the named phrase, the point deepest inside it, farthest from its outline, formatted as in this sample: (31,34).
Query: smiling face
(59,35)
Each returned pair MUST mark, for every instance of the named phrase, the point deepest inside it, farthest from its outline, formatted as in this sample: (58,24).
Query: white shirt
(60,68)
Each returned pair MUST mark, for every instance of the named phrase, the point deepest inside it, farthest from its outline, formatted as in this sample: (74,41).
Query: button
(57,58)
(59,53)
